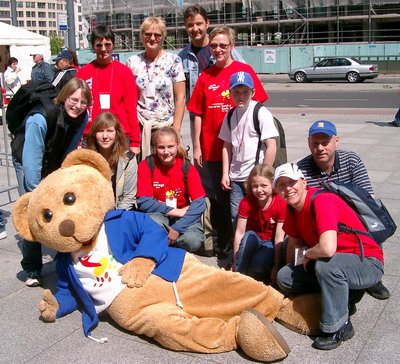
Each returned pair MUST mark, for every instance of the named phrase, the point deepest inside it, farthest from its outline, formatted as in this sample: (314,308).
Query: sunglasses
(100,45)
(156,35)
(221,45)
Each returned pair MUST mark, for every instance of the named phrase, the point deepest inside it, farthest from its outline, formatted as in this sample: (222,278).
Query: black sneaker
(394,123)
(378,291)
(33,279)
(332,341)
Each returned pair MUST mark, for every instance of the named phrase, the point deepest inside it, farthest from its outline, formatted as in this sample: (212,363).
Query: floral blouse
(155,84)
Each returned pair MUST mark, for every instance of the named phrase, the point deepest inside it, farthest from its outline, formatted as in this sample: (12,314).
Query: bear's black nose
(67,228)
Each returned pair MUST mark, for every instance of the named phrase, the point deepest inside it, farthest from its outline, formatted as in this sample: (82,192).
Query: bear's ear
(20,217)
(89,158)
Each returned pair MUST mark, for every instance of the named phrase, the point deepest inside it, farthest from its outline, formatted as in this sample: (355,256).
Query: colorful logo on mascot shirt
(99,268)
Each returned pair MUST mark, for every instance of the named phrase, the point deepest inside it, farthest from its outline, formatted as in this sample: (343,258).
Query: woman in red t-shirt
(210,102)
(170,190)
(259,234)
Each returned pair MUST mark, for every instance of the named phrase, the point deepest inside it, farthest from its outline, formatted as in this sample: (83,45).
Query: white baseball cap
(290,170)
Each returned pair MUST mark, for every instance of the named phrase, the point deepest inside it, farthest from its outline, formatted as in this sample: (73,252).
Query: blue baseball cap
(241,78)
(324,127)
(63,54)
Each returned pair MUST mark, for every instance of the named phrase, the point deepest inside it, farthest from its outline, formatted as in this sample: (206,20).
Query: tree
(56,44)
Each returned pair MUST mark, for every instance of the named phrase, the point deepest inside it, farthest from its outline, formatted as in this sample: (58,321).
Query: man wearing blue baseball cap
(65,69)
(327,163)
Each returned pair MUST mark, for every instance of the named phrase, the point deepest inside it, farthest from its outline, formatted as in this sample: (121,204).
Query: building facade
(260,22)
(44,17)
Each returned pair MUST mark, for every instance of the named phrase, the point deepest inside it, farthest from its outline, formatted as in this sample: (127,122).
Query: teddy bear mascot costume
(120,262)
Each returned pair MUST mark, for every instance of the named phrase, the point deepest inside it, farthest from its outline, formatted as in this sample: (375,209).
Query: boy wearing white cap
(239,153)
(327,260)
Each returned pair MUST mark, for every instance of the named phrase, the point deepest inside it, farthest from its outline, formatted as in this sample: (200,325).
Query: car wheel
(300,77)
(353,77)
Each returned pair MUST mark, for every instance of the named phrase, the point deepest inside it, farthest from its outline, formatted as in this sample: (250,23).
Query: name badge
(171,202)
(105,101)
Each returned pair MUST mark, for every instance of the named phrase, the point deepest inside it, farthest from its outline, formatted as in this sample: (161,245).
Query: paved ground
(26,339)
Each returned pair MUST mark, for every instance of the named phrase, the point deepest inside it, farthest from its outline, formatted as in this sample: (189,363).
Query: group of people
(132,115)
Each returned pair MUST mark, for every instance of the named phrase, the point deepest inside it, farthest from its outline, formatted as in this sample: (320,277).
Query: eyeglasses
(221,45)
(100,45)
(75,101)
(156,35)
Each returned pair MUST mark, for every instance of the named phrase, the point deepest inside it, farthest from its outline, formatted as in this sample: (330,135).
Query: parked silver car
(336,68)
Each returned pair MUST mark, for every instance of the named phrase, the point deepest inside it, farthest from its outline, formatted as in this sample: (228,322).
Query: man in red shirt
(320,257)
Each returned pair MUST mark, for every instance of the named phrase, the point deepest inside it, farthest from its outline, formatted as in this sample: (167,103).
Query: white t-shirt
(244,138)
(98,272)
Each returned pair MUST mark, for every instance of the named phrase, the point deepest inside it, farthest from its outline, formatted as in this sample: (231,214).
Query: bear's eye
(47,215)
(69,198)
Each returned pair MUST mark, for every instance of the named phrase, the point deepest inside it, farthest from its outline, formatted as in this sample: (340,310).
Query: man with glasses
(327,163)
(41,71)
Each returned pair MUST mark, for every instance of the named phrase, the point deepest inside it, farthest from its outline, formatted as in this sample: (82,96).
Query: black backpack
(26,99)
(30,98)
(281,154)
(185,166)
(372,212)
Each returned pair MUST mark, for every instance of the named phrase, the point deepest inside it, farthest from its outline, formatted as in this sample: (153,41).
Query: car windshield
(357,60)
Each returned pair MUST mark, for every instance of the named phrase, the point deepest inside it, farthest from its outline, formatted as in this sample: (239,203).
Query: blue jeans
(2,222)
(334,277)
(255,257)
(237,193)
(31,251)
(190,240)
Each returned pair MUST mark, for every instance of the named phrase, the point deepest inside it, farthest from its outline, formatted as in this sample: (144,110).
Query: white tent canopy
(10,35)
(22,44)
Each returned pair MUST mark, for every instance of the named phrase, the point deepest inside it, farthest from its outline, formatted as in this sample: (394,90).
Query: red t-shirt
(211,100)
(329,211)
(262,222)
(169,182)
(118,81)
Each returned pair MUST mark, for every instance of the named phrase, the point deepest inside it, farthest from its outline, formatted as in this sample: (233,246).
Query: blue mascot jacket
(130,235)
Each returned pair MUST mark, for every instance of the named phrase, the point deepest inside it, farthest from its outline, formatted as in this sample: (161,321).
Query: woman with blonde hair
(39,149)
(107,138)
(161,83)
(210,102)
(170,190)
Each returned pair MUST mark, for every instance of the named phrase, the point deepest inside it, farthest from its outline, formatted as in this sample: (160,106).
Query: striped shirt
(348,168)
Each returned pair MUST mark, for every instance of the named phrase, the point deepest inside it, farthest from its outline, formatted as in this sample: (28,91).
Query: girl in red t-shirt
(171,193)
(259,234)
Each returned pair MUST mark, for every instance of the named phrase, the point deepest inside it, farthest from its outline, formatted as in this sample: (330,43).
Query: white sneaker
(33,279)
(3,234)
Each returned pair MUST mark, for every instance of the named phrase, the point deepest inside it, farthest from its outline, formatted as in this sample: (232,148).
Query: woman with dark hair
(107,138)
(47,140)
(170,193)
(112,85)
(11,79)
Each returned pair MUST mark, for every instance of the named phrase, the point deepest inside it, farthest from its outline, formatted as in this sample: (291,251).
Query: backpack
(185,166)
(25,99)
(372,212)
(30,98)
(281,155)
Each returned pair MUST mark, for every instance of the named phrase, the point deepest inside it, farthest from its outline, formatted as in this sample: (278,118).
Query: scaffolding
(257,22)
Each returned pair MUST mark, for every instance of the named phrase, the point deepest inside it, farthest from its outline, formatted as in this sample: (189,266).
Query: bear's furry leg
(301,313)
(259,339)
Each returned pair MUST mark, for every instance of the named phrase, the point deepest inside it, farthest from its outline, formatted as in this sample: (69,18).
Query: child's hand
(226,183)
